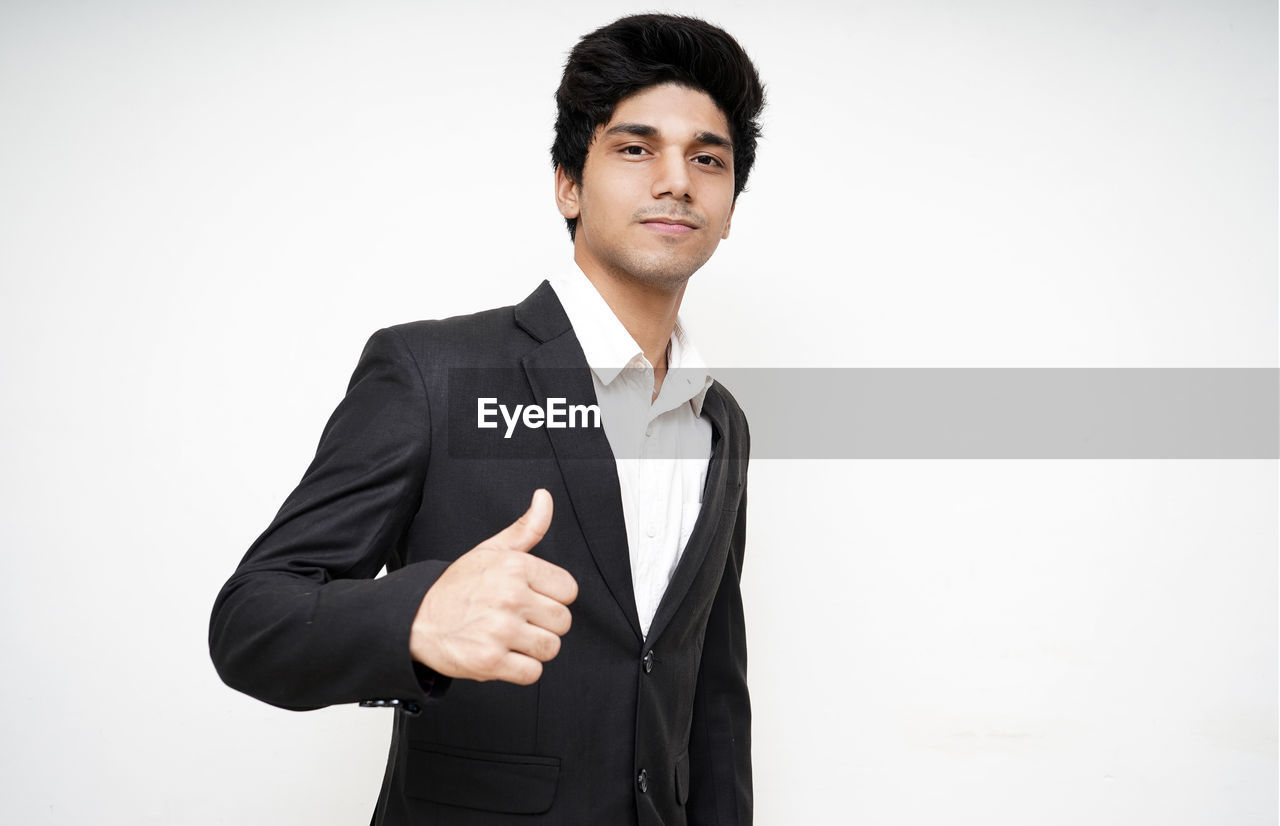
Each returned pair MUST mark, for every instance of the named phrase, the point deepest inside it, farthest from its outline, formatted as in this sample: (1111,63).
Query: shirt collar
(609,347)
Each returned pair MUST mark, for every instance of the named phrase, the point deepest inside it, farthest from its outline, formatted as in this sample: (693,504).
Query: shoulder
(462,333)
(731,407)
(491,338)
(734,419)
(484,339)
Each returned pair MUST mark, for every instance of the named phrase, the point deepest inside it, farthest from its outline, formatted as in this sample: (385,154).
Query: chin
(663,272)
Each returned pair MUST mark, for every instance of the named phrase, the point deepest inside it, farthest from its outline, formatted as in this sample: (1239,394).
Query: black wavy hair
(645,50)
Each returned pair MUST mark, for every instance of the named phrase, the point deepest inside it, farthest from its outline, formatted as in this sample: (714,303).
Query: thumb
(528,530)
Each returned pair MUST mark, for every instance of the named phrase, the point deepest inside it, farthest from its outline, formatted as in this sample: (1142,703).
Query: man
(587,663)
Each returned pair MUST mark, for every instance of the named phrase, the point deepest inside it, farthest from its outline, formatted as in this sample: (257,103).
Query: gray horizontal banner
(921,413)
(1013,413)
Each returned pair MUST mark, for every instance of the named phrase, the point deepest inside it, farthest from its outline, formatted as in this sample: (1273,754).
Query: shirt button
(648,431)
(652,531)
(642,780)
(648,661)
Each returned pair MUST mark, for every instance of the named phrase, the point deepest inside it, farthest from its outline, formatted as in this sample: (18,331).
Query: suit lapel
(695,552)
(559,369)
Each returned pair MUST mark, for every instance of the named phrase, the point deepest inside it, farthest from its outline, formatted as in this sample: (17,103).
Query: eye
(707,160)
(634,151)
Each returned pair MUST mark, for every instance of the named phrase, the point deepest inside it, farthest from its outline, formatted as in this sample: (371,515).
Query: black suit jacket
(620,729)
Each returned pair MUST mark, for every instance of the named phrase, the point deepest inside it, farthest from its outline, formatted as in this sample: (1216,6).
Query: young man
(582,668)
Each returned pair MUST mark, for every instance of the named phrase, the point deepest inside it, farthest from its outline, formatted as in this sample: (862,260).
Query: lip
(669,226)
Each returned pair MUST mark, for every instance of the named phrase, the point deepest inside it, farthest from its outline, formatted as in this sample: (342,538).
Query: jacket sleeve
(302,623)
(720,742)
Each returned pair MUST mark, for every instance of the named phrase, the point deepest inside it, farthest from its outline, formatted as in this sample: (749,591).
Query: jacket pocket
(490,781)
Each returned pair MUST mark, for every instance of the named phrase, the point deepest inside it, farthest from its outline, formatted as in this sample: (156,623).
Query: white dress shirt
(661,446)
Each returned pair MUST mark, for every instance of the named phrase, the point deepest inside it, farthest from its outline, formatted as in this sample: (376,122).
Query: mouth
(670,225)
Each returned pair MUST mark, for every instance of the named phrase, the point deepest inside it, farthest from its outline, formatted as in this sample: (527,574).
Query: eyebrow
(642,130)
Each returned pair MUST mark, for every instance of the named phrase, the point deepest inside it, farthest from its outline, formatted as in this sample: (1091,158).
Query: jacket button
(642,780)
(648,661)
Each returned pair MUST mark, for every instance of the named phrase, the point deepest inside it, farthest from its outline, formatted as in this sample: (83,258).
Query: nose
(671,177)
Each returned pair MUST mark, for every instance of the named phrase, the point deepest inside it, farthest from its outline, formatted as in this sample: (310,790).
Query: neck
(648,313)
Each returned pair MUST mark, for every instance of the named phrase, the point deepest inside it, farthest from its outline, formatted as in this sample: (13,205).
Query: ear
(567,194)
(728,220)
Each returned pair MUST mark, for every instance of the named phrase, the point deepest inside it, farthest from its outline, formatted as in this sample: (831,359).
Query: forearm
(291,643)
(302,623)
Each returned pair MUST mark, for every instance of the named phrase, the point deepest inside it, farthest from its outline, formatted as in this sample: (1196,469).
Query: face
(656,195)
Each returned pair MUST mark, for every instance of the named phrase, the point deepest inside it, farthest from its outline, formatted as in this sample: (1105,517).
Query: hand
(497,613)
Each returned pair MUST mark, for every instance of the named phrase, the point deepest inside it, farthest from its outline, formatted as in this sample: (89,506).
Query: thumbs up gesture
(498,612)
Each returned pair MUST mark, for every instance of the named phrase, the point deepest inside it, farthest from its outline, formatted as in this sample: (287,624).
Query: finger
(518,668)
(529,529)
(547,613)
(550,580)
(535,642)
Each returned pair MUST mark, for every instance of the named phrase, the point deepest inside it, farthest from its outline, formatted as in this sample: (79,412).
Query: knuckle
(504,629)
(557,620)
(489,659)
(506,599)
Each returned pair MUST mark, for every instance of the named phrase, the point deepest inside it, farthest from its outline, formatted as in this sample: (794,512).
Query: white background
(207,207)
